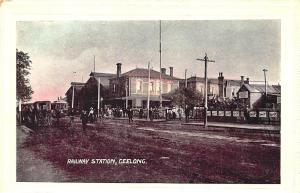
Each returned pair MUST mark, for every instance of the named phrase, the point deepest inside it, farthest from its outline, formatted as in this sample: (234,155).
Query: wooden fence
(254,116)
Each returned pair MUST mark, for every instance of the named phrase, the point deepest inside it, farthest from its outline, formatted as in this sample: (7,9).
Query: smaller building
(253,96)
(76,87)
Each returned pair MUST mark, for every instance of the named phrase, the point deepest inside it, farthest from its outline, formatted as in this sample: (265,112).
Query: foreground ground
(172,153)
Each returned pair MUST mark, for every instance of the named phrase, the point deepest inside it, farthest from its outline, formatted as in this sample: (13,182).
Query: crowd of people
(33,116)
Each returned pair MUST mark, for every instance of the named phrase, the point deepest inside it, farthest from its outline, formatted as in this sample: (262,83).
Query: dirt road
(32,168)
(172,153)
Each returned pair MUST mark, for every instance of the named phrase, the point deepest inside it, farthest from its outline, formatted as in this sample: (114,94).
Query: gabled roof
(260,88)
(100,74)
(142,72)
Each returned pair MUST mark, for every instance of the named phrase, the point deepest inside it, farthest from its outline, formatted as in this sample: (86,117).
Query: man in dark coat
(187,114)
(84,119)
(151,114)
(130,115)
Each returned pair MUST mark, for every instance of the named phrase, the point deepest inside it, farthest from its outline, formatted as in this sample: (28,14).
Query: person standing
(91,115)
(141,112)
(151,114)
(166,112)
(130,115)
(72,114)
(187,114)
(173,114)
(179,111)
(84,119)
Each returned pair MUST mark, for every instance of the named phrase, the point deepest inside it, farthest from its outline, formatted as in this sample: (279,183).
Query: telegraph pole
(205,59)
(148,93)
(265,75)
(73,92)
(160,83)
(99,96)
(126,93)
(185,78)
(94,63)
(73,96)
(99,89)
(266,92)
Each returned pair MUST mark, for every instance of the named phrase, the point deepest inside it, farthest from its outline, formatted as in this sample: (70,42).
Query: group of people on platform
(90,115)
(34,117)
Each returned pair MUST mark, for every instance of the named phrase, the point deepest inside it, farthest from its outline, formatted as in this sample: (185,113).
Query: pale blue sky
(239,47)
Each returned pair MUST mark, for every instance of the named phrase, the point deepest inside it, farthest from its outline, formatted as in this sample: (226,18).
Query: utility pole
(126,93)
(205,59)
(20,110)
(94,64)
(160,83)
(266,91)
(99,89)
(99,96)
(73,96)
(185,78)
(73,92)
(148,93)
(265,75)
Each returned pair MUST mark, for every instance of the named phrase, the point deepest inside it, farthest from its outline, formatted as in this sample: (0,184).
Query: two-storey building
(133,86)
(216,87)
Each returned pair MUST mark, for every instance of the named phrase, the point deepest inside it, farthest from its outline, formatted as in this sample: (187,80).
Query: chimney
(247,81)
(119,70)
(242,80)
(171,71)
(163,70)
(221,84)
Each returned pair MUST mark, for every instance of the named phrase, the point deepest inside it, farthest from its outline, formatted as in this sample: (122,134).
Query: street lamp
(205,59)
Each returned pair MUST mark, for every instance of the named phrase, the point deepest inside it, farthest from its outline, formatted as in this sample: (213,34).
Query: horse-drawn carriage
(42,113)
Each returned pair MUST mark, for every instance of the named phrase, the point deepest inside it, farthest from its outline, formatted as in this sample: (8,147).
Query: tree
(24,90)
(185,96)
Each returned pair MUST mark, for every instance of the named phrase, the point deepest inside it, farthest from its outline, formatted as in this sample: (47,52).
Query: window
(157,87)
(114,87)
(169,87)
(139,84)
(233,92)
(151,86)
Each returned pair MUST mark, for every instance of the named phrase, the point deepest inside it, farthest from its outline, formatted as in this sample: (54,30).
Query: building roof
(143,72)
(260,88)
(77,84)
(100,74)
(233,82)
(201,79)
(214,81)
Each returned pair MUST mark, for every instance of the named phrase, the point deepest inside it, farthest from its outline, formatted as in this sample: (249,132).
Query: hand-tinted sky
(57,49)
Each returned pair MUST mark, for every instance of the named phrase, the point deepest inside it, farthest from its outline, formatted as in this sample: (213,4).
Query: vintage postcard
(129,101)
